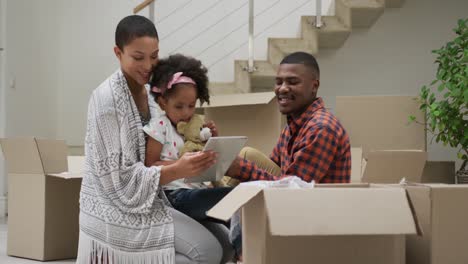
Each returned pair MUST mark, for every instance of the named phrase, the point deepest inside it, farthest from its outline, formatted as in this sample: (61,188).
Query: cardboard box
(329,224)
(254,115)
(391,166)
(356,165)
(381,122)
(439,172)
(442,211)
(43,200)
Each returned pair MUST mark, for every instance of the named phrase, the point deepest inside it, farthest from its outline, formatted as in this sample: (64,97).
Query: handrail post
(250,65)
(152,12)
(318,13)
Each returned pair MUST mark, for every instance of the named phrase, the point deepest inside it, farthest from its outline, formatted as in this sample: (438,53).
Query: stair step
(263,68)
(332,34)
(358,13)
(364,3)
(290,45)
(278,48)
(263,78)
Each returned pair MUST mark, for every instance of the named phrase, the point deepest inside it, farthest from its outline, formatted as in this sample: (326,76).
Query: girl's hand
(212,126)
(191,164)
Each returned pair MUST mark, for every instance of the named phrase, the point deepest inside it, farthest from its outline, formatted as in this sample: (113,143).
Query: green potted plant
(445,100)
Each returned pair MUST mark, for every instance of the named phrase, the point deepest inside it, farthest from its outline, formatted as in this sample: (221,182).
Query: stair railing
(144,4)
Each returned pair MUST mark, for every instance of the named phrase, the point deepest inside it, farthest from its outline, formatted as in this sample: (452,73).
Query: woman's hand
(212,126)
(191,164)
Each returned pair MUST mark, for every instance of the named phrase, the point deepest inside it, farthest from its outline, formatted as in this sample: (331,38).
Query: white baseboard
(3,206)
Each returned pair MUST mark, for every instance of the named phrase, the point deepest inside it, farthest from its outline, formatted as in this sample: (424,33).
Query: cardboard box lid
(53,155)
(233,201)
(22,155)
(390,166)
(240,99)
(67,175)
(75,168)
(37,156)
(326,211)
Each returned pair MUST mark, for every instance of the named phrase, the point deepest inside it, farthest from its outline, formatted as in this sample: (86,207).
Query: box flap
(53,155)
(381,122)
(390,166)
(21,155)
(339,211)
(239,196)
(240,99)
(356,166)
(67,175)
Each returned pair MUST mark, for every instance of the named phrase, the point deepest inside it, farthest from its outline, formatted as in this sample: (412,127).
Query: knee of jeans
(246,152)
(211,251)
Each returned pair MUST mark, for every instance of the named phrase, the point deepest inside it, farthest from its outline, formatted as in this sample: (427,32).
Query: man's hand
(235,168)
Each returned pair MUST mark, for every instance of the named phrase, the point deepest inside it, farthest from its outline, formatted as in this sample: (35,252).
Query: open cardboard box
(329,224)
(43,199)
(387,166)
(254,115)
(442,211)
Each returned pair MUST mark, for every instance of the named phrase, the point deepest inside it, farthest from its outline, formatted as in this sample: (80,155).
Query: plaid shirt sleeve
(311,160)
(314,157)
(275,154)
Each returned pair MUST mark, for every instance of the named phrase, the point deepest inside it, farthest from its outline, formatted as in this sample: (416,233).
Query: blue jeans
(196,202)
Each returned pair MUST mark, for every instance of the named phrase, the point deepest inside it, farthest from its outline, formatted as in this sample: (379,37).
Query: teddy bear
(194,133)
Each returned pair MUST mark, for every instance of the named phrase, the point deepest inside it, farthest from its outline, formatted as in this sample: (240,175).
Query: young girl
(177,83)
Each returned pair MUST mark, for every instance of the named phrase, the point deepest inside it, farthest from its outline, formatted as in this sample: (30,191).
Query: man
(313,145)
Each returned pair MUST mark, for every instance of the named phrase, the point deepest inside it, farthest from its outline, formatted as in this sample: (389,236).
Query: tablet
(228,149)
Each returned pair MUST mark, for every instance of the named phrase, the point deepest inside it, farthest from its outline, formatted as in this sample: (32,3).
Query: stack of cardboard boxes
(379,125)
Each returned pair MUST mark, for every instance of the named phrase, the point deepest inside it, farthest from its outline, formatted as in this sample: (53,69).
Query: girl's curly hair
(189,66)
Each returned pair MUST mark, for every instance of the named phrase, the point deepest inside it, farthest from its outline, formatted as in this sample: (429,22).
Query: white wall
(3,178)
(31,58)
(85,58)
(394,56)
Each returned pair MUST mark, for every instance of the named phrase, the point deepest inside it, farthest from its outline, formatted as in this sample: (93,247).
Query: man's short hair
(132,27)
(303,58)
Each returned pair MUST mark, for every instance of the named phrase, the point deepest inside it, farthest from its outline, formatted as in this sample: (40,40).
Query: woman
(124,215)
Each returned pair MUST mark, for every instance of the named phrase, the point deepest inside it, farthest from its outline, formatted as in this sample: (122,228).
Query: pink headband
(176,78)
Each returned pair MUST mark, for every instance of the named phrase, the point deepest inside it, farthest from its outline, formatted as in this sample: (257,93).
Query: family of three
(135,206)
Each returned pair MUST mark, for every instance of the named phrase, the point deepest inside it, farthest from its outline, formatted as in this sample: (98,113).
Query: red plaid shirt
(314,146)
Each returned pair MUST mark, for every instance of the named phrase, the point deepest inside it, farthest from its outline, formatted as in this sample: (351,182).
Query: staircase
(349,14)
